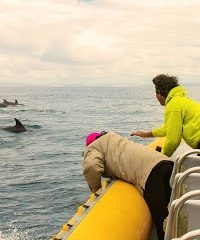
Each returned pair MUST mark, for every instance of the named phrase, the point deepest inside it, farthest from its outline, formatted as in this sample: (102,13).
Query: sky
(98,42)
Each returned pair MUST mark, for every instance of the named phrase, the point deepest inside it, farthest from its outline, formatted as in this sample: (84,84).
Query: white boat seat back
(189,217)
(182,148)
(185,182)
(184,215)
(184,162)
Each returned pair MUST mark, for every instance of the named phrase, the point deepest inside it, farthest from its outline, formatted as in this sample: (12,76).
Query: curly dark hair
(164,83)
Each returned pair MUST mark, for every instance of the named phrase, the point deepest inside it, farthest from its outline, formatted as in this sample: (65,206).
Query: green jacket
(182,120)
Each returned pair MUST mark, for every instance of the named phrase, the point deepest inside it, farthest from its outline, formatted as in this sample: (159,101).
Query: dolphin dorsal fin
(18,123)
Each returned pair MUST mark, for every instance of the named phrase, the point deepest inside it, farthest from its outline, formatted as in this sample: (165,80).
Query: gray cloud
(108,42)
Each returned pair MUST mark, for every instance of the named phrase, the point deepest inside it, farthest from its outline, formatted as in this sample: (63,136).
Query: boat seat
(192,235)
(182,148)
(188,160)
(185,182)
(184,215)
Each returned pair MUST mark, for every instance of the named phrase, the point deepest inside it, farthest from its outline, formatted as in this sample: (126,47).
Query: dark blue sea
(41,182)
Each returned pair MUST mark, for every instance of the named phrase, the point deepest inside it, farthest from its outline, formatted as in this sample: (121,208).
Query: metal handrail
(190,235)
(186,154)
(182,177)
(174,187)
(174,212)
(178,161)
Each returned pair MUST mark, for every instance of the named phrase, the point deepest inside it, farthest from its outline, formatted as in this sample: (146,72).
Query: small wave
(25,184)
(38,110)
(34,126)
(15,234)
(2,141)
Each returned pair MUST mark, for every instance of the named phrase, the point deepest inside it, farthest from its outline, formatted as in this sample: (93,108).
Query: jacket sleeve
(159,132)
(93,168)
(174,132)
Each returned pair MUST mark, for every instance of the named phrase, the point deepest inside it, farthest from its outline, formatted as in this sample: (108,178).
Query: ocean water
(41,182)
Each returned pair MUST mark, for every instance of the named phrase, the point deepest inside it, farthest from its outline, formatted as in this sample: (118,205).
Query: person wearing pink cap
(111,155)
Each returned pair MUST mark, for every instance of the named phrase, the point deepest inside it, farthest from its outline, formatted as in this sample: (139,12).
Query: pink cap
(92,137)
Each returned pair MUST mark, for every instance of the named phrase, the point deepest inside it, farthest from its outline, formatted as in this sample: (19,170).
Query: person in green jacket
(182,115)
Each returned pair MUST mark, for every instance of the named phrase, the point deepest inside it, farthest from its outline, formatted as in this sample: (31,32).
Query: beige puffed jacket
(115,156)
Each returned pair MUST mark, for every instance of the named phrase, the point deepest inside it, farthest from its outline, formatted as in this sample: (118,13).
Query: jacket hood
(177,91)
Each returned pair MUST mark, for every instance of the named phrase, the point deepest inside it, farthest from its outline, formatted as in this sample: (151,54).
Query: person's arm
(160,131)
(174,132)
(93,169)
(142,134)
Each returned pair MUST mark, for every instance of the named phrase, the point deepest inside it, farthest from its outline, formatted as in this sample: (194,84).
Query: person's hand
(138,133)
(141,134)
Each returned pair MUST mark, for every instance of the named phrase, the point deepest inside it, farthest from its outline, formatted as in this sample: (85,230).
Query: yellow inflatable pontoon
(116,211)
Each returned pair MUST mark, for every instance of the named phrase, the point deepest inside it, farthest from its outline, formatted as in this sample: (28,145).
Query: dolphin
(10,103)
(18,128)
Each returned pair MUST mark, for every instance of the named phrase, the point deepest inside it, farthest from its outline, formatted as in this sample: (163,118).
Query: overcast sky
(98,42)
